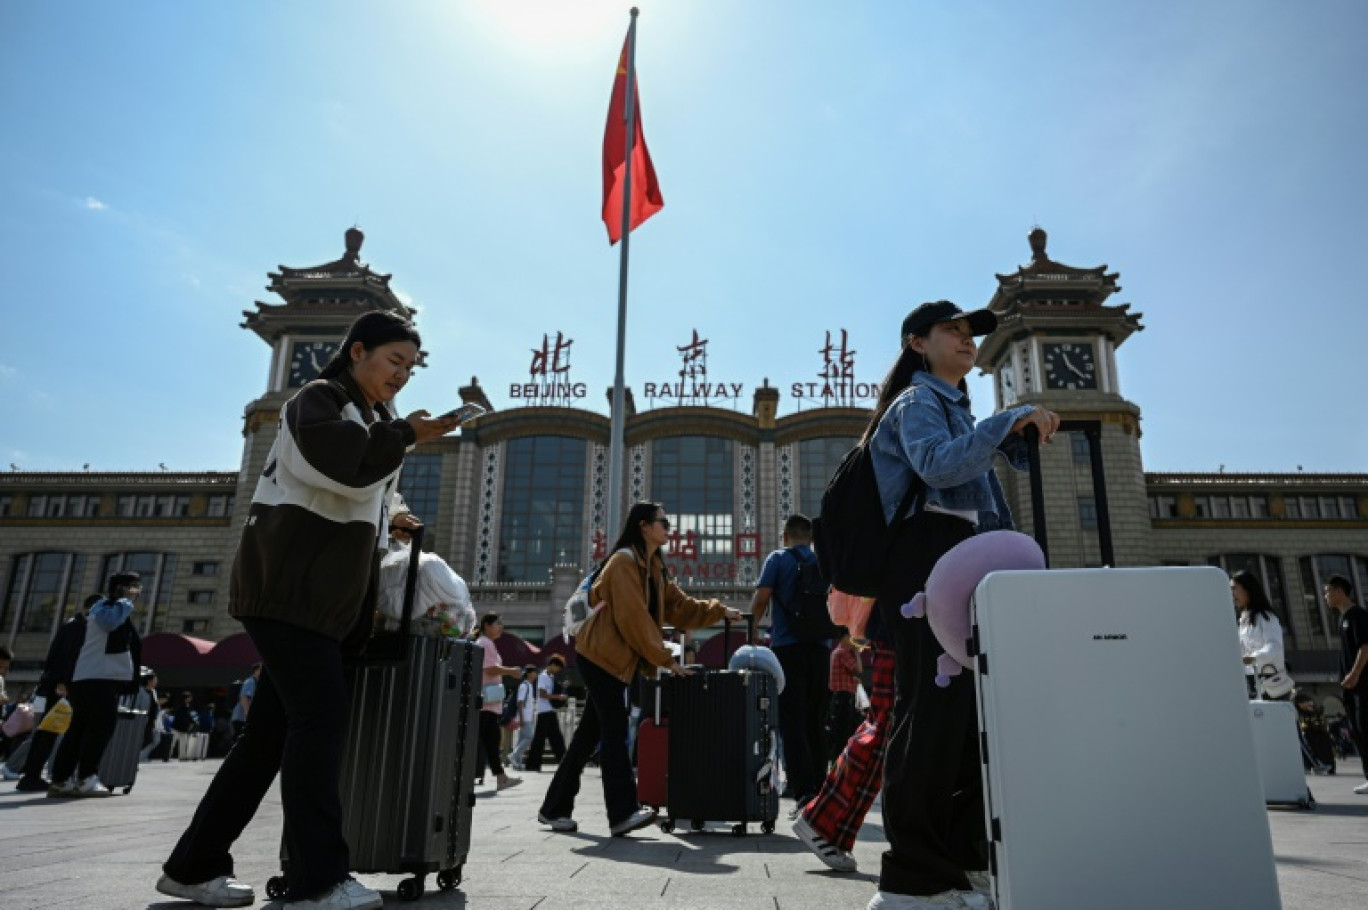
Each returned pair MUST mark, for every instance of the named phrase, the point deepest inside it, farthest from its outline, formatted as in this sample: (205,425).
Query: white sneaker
(564,825)
(638,819)
(348,895)
(946,900)
(224,891)
(91,786)
(836,859)
(1362,788)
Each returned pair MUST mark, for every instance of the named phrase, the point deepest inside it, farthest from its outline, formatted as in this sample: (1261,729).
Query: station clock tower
(304,331)
(1055,346)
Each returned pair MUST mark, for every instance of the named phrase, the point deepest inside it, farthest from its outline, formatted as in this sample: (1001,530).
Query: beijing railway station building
(516,502)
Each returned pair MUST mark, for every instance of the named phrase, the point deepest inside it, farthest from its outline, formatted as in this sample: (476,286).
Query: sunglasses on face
(663,522)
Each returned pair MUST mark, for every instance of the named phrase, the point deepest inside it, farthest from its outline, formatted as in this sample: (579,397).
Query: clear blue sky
(824,166)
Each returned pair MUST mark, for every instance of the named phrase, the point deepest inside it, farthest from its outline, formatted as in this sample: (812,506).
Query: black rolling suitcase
(408,766)
(722,748)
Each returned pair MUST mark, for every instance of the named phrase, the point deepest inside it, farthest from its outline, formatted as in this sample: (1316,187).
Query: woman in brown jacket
(634,599)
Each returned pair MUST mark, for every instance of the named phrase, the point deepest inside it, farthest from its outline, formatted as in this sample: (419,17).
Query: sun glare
(550,25)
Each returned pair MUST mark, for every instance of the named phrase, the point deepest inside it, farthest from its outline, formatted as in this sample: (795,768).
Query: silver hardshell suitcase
(1096,687)
(119,764)
(408,765)
(1278,754)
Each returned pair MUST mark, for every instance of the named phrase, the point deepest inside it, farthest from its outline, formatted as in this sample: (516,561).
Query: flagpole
(615,442)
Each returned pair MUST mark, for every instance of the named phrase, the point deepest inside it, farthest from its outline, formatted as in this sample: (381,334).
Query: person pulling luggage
(304,581)
(922,430)
(639,599)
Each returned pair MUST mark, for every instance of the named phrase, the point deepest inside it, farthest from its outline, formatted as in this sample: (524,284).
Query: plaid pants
(839,810)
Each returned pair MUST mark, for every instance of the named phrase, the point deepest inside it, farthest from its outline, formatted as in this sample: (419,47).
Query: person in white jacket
(1261,634)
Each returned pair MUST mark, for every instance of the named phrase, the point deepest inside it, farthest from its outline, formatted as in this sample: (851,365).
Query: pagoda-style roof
(1048,297)
(322,297)
(1052,283)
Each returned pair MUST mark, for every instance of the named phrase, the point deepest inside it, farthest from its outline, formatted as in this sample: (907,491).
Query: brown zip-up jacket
(309,551)
(624,633)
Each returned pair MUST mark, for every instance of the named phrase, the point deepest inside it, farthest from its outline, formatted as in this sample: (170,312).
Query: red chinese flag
(646,199)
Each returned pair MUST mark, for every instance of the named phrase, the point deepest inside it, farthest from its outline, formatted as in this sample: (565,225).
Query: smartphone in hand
(464,413)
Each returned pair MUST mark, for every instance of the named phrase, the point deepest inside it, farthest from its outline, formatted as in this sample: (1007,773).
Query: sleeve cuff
(407,432)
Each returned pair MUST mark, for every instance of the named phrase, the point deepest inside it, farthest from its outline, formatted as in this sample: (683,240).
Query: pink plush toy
(945,602)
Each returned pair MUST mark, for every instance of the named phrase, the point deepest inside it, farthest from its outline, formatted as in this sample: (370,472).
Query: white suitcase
(1118,758)
(1277,752)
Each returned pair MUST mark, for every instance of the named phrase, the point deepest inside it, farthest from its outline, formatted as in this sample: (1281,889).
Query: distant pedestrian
(491,628)
(639,599)
(244,700)
(525,710)
(107,667)
(550,699)
(805,661)
(1339,594)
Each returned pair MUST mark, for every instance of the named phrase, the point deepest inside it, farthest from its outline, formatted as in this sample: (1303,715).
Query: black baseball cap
(981,322)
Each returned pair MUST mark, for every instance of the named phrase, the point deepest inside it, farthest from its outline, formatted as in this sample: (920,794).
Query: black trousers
(490,741)
(1356,708)
(39,750)
(299,719)
(94,712)
(933,794)
(604,726)
(843,719)
(802,716)
(547,732)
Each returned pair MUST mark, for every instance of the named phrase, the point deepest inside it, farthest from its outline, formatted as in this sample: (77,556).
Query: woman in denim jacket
(922,428)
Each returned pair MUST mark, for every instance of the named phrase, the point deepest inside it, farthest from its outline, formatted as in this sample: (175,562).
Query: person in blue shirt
(922,427)
(244,700)
(803,702)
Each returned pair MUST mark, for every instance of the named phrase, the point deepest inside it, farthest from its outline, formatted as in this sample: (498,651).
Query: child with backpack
(932,463)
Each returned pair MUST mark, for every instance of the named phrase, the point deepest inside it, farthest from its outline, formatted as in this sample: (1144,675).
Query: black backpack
(850,535)
(808,614)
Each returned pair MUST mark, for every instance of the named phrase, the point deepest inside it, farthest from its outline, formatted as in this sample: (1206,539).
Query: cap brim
(982,322)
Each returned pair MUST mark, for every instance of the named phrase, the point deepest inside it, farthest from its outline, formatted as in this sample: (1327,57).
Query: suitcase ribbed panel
(408,763)
(721,745)
(119,764)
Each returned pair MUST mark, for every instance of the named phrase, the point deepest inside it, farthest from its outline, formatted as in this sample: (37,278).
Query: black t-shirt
(1353,635)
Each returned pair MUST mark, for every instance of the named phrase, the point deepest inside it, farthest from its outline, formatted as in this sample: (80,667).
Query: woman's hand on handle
(1044,420)
(426,427)
(731,615)
(678,670)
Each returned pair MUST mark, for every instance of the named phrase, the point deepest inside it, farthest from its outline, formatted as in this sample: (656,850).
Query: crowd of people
(855,718)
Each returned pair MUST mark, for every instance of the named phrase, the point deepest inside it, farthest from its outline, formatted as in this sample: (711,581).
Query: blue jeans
(296,728)
(604,722)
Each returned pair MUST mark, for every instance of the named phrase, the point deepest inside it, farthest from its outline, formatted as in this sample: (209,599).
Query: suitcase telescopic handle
(410,583)
(726,635)
(1092,432)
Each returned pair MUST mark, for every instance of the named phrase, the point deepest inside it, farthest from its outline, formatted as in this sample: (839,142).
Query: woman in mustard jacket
(634,599)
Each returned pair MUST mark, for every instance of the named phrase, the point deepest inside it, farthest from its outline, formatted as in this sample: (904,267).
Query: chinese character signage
(550,375)
(693,385)
(836,386)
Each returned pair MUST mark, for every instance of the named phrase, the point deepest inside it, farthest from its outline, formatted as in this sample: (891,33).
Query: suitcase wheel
(449,879)
(276,889)
(739,830)
(767,827)
(1307,802)
(696,825)
(410,889)
(667,825)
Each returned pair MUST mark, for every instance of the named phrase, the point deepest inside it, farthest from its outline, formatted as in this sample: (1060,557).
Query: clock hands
(313,358)
(1075,370)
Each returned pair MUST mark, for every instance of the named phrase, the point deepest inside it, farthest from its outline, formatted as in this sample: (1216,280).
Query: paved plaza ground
(105,854)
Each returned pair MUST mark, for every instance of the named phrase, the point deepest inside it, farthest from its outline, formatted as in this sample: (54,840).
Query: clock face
(307,359)
(1069,365)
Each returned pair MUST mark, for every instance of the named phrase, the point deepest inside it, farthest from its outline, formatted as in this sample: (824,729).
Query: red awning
(167,649)
(234,651)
